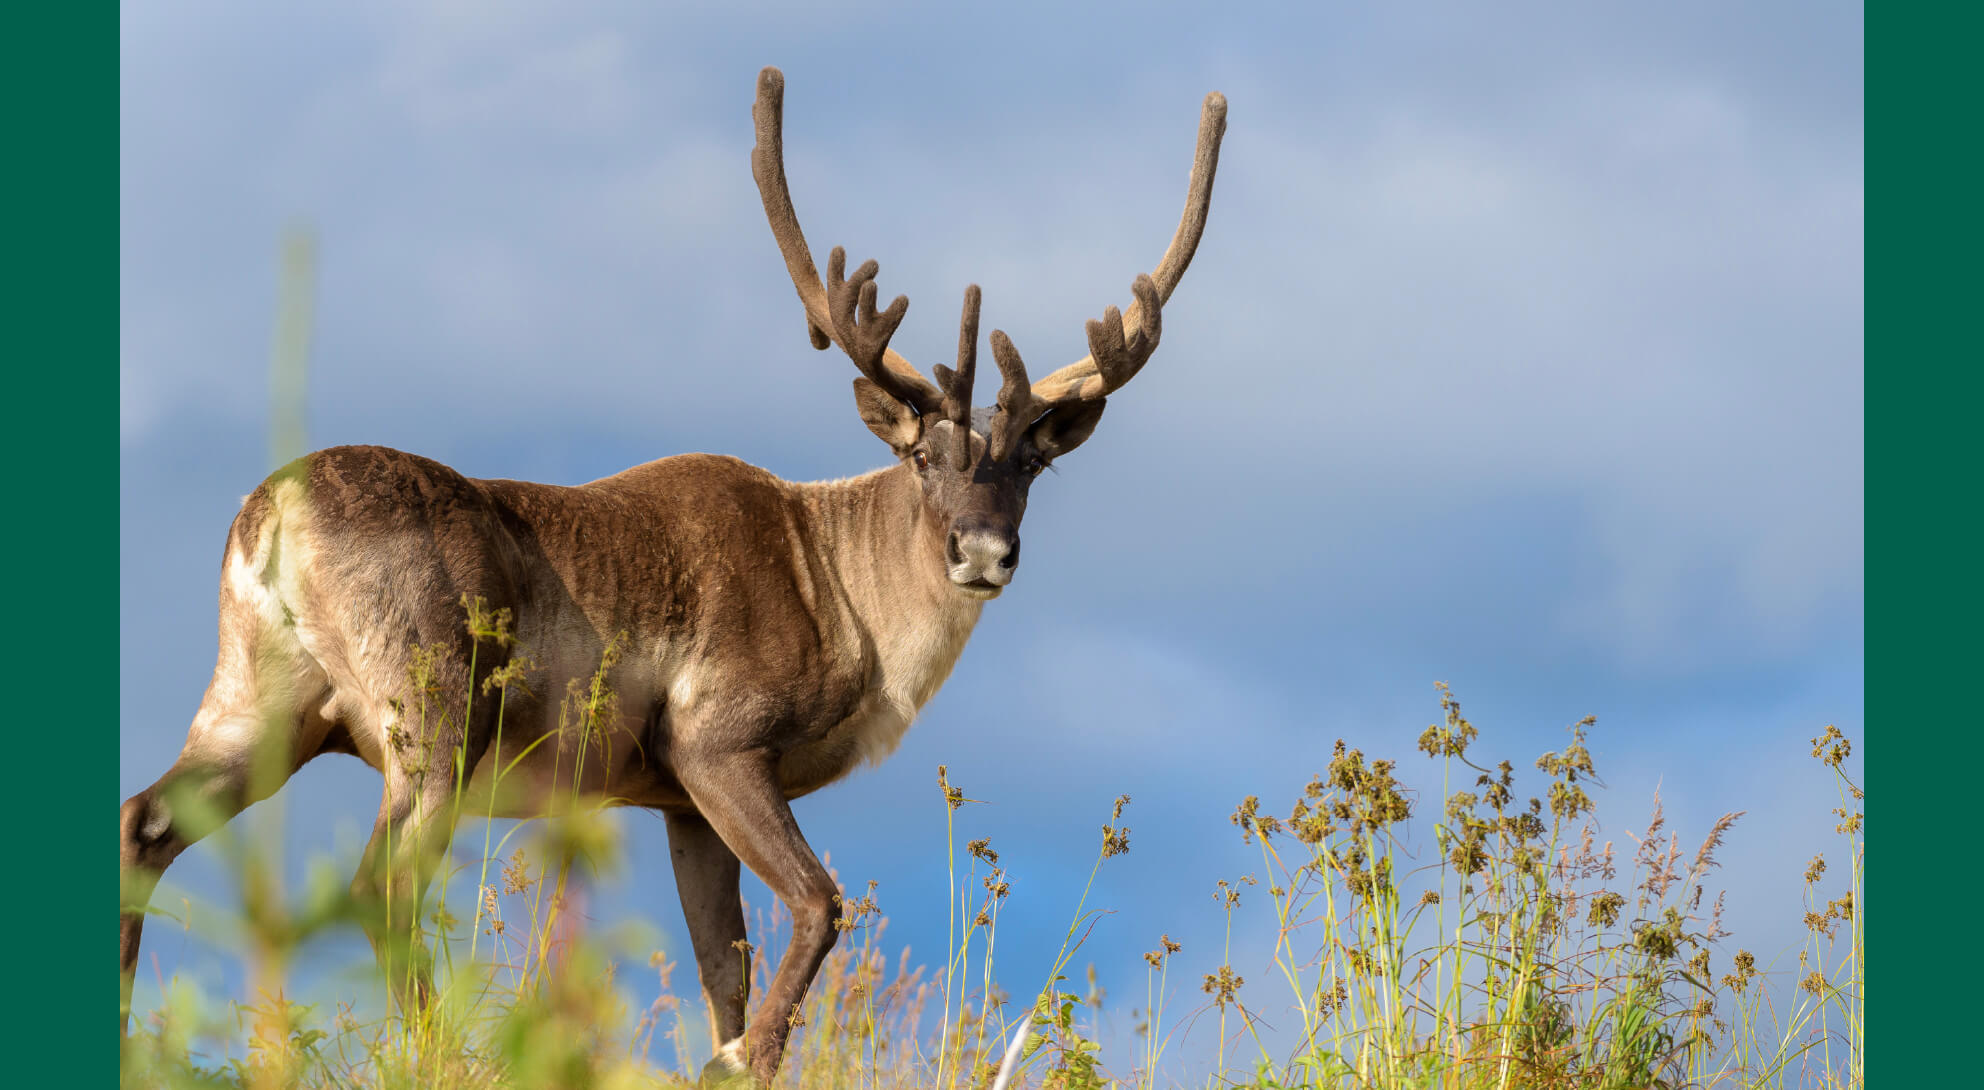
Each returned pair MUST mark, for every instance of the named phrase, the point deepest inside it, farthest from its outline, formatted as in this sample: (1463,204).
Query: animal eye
(921,458)
(1035,466)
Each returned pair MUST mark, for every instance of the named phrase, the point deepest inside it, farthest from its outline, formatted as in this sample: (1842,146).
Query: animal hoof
(727,1071)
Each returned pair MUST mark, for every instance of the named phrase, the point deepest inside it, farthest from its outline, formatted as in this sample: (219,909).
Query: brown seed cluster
(1116,837)
(953,796)
(1223,986)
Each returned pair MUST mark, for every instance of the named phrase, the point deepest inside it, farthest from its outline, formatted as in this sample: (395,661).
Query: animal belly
(534,778)
(866,737)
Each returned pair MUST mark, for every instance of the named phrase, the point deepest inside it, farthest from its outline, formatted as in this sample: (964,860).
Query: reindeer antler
(843,312)
(957,384)
(1120,343)
(1018,407)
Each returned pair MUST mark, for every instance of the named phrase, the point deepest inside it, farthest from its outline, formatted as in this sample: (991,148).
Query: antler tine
(1018,407)
(843,312)
(957,384)
(1198,197)
(1090,378)
(863,334)
(1117,358)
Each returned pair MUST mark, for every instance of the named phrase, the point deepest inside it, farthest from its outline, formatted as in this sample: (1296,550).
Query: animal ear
(892,421)
(1066,428)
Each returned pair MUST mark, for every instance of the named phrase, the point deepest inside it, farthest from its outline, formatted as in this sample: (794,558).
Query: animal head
(973,466)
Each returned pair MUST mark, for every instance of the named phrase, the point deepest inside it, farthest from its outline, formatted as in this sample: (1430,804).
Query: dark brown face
(977,510)
(972,514)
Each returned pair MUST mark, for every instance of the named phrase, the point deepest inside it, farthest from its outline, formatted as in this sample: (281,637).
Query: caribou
(779,635)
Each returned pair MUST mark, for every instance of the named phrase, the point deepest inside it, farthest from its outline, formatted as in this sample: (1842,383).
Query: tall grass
(1525,954)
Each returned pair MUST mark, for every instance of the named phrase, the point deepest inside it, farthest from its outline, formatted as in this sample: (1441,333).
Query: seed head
(516,874)
(1115,838)
(1223,985)
(1604,911)
(953,796)
(1746,968)
(1836,753)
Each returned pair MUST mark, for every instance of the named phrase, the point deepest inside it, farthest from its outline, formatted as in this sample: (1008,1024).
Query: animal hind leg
(411,836)
(427,767)
(706,876)
(231,761)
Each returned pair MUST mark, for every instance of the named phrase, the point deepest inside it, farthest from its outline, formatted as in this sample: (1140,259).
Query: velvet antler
(843,312)
(957,384)
(1121,342)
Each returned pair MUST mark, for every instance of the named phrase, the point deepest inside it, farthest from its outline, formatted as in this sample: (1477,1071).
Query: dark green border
(1923,401)
(61,538)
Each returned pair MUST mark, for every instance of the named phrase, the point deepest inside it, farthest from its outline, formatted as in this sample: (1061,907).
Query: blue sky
(1523,352)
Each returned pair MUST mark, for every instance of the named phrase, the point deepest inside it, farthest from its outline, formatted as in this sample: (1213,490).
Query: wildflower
(1469,854)
(516,874)
(489,909)
(1746,968)
(508,674)
(1328,1002)
(1835,754)
(1311,827)
(1222,985)
(1116,839)
(1451,738)
(1849,822)
(1604,910)
(1230,893)
(1246,817)
(1662,940)
(865,904)
(953,796)
(1568,800)
(487,624)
